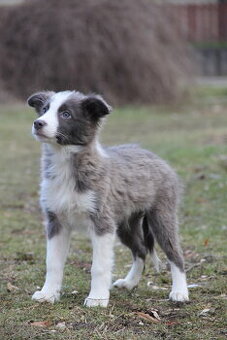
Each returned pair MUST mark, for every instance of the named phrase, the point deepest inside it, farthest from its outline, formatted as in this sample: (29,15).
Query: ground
(192,137)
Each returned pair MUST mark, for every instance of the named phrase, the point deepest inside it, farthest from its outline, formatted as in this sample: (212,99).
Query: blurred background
(162,65)
(132,51)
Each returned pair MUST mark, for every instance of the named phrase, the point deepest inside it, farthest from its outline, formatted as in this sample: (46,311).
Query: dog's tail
(149,242)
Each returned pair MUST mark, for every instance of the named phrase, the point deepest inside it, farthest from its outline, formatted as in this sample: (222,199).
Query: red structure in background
(202,22)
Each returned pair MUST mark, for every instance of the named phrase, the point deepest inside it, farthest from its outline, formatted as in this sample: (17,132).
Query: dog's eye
(65,115)
(44,110)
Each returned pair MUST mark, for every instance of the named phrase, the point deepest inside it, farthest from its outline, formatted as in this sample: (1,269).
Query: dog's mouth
(39,136)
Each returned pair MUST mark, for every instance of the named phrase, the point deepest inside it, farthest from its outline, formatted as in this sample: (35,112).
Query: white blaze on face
(51,116)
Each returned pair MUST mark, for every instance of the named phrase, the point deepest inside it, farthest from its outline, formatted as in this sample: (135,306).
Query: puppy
(121,190)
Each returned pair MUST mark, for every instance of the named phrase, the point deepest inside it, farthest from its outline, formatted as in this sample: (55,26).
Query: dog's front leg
(101,270)
(57,250)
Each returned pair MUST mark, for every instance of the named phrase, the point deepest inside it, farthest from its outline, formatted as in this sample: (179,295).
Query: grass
(211,45)
(193,139)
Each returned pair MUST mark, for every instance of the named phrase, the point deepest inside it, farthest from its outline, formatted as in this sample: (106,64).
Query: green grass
(193,139)
(211,45)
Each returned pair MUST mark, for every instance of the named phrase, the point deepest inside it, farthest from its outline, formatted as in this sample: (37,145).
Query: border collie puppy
(121,190)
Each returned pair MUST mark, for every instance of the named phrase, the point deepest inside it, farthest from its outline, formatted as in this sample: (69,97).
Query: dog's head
(68,117)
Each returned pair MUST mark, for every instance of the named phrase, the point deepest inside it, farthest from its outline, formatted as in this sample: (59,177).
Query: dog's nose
(38,124)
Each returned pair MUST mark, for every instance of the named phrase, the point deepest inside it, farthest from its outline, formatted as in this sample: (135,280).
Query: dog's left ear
(96,107)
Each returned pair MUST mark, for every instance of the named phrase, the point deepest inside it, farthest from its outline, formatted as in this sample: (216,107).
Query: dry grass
(193,139)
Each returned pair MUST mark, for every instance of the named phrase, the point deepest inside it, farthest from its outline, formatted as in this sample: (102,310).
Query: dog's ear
(96,107)
(37,99)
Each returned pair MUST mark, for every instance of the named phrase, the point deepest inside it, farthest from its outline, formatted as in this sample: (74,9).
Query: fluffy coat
(121,190)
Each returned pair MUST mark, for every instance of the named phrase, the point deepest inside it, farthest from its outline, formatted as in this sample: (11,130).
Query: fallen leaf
(203,277)
(200,176)
(172,323)
(206,241)
(204,312)
(149,284)
(190,254)
(11,288)
(61,325)
(155,314)
(194,285)
(202,261)
(41,323)
(152,318)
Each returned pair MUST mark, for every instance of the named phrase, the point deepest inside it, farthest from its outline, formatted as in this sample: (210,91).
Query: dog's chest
(58,193)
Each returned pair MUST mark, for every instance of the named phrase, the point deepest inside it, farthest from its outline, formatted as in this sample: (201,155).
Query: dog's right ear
(38,99)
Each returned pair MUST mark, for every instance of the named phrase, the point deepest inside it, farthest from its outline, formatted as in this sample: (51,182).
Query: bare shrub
(128,50)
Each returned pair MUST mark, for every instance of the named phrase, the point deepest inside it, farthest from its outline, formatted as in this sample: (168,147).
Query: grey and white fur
(121,190)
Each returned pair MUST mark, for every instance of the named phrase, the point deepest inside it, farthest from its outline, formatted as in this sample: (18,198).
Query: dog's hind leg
(163,222)
(131,234)
(149,243)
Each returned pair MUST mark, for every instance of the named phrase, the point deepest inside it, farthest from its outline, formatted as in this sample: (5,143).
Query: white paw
(179,296)
(89,302)
(41,296)
(123,283)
